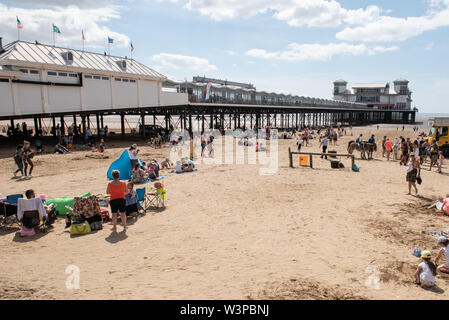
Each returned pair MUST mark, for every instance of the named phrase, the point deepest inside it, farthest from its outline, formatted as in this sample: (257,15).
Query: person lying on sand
(443,242)
(426,272)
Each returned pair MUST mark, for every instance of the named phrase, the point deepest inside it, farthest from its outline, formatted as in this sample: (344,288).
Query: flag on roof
(110,40)
(209,84)
(132,47)
(82,33)
(56,29)
(19,24)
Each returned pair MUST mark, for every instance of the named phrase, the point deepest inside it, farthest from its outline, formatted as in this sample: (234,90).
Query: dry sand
(229,233)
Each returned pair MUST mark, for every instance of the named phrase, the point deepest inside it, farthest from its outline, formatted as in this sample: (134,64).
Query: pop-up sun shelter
(122,164)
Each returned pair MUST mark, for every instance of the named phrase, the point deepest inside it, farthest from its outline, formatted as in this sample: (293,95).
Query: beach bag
(355,168)
(96,226)
(80,228)
(25,232)
(419,180)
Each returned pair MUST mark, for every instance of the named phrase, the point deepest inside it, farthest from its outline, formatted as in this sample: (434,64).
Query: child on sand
(443,242)
(426,272)
(166,164)
(18,159)
(101,146)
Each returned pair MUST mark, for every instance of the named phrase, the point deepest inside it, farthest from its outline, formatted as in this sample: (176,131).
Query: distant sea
(423,117)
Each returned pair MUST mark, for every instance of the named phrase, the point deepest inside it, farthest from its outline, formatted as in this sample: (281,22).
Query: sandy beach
(228,232)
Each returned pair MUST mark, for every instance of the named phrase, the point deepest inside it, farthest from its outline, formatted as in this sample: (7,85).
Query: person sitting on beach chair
(131,200)
(31,211)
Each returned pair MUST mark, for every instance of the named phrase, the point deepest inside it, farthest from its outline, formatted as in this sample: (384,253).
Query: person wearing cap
(443,242)
(426,272)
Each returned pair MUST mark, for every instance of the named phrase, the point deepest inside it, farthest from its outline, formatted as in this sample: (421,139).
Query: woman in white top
(133,155)
(426,272)
(443,242)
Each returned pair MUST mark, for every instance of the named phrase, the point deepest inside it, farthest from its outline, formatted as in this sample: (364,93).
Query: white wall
(6,102)
(173,98)
(125,94)
(63,99)
(96,94)
(148,93)
(29,98)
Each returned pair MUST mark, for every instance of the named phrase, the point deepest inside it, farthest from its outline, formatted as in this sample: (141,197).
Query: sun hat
(442,239)
(426,254)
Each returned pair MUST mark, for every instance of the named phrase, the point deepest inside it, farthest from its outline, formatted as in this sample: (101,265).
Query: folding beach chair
(156,198)
(141,200)
(8,215)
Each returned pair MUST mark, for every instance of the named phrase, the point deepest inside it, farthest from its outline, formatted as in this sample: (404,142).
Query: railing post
(311,161)
(290,156)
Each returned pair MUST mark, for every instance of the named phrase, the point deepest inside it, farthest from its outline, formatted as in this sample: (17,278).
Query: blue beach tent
(122,164)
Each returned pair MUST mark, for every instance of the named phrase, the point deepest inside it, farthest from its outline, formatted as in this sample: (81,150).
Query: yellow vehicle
(440,133)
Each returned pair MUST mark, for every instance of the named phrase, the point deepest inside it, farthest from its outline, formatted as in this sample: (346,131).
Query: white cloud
(315,51)
(65,3)
(231,53)
(312,13)
(387,28)
(37,25)
(177,61)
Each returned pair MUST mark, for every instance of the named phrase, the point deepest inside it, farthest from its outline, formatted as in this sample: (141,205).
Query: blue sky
(289,46)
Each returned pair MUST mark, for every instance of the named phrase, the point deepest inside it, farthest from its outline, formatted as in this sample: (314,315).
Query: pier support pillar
(122,123)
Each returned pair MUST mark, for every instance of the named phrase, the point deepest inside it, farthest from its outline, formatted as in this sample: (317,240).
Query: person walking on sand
(388,147)
(299,142)
(28,155)
(18,159)
(324,143)
(413,172)
(383,146)
(117,191)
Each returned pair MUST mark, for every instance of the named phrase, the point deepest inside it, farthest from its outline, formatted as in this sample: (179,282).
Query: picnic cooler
(304,161)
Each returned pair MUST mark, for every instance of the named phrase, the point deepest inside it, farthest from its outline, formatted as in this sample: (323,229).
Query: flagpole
(54,38)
